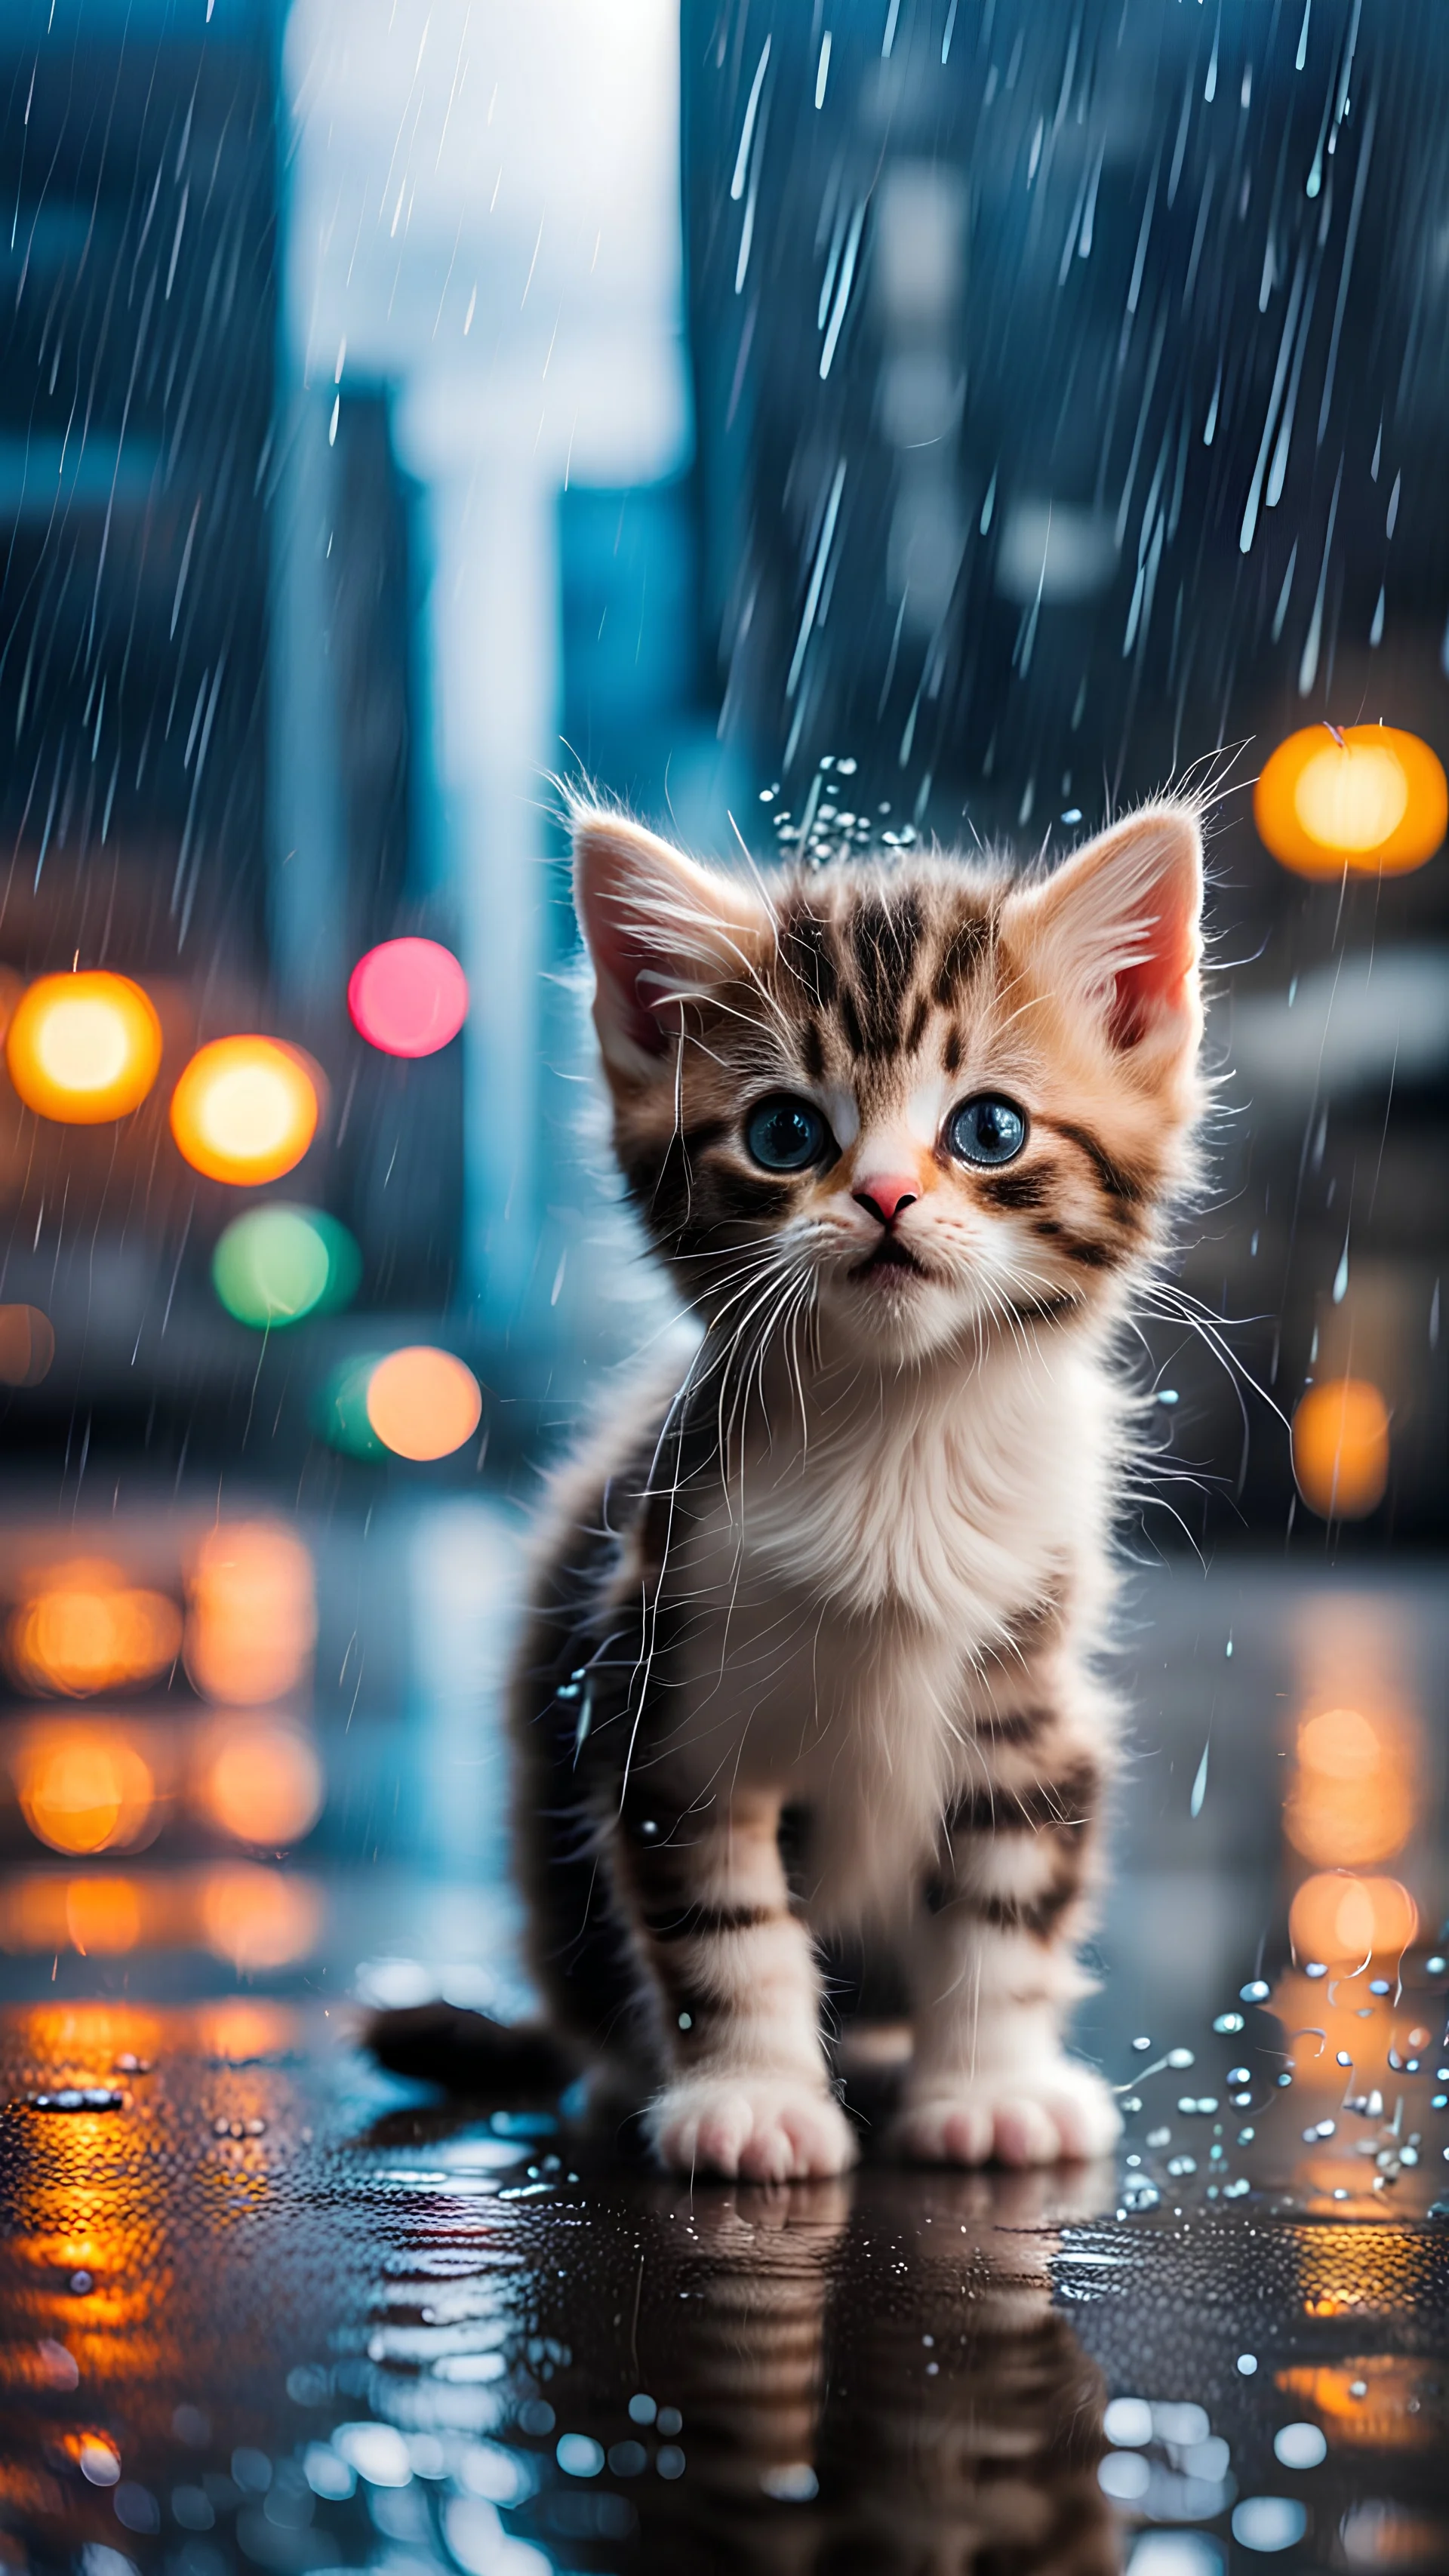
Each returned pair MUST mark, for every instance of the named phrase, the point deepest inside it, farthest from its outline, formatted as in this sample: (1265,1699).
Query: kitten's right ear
(662,932)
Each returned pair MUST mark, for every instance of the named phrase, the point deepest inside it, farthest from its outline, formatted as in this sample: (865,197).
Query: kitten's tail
(491,2062)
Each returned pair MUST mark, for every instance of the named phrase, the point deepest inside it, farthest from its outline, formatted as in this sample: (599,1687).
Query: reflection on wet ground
(264,2309)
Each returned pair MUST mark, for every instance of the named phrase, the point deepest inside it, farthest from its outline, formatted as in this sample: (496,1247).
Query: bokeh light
(276,1264)
(83,1048)
(1352,1798)
(423,1403)
(1368,797)
(84,1629)
(408,997)
(340,1410)
(259,1782)
(1341,1448)
(82,1790)
(251,1620)
(27,1345)
(258,1918)
(102,1915)
(245,1110)
(1344,1920)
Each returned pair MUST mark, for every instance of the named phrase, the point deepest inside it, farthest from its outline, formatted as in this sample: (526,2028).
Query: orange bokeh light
(251,1621)
(245,1110)
(1368,2400)
(259,1918)
(27,1345)
(1341,1448)
(84,1630)
(1369,798)
(1344,1921)
(1352,1799)
(423,1403)
(260,1783)
(83,1048)
(102,1915)
(84,1791)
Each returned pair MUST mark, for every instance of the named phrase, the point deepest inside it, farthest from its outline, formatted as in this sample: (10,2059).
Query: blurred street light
(245,1110)
(83,1049)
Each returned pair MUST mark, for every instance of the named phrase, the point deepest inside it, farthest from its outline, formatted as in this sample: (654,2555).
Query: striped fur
(855,1568)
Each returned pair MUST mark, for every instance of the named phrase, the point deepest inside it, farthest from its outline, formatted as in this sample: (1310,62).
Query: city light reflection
(83,1049)
(1368,797)
(85,1790)
(251,1621)
(1366,2400)
(102,1915)
(1342,1920)
(1341,1448)
(245,1109)
(259,1918)
(277,1264)
(1352,1799)
(259,1782)
(27,1345)
(253,1917)
(84,1629)
(408,997)
(423,1403)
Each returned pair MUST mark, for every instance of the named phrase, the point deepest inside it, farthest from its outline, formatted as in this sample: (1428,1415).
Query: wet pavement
(265,2308)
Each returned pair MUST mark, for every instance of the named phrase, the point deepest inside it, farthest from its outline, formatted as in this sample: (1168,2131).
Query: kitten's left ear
(663,933)
(1118,928)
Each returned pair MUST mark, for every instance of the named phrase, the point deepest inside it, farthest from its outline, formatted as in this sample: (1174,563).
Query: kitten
(813,1648)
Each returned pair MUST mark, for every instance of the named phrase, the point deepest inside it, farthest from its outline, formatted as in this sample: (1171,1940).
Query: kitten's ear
(662,932)
(1119,928)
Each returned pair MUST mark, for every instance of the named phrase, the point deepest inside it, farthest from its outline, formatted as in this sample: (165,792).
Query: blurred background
(827,426)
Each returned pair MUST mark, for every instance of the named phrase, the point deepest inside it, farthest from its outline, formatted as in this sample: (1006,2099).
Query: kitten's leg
(706,1901)
(994,1968)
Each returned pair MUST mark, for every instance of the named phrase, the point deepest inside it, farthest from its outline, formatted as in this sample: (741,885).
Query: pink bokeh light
(408,997)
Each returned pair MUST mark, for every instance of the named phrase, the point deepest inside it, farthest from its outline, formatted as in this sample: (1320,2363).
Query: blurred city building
(1026,411)
(1069,390)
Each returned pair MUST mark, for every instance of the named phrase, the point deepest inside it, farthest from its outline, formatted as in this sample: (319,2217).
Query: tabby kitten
(813,1637)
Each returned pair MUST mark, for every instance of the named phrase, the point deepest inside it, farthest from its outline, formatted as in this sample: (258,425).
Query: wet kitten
(903,1137)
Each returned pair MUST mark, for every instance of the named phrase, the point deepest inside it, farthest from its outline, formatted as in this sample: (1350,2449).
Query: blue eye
(786,1135)
(986,1130)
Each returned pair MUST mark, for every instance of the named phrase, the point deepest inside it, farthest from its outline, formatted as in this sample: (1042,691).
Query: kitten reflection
(870,2375)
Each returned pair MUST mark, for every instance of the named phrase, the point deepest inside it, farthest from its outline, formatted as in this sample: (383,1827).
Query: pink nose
(885,1196)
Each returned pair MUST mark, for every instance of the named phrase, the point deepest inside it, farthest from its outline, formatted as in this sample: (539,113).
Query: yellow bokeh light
(1341,1448)
(1344,1921)
(1370,797)
(83,1048)
(251,1620)
(1352,1798)
(260,1783)
(245,1110)
(423,1403)
(84,1791)
(1351,800)
(86,1630)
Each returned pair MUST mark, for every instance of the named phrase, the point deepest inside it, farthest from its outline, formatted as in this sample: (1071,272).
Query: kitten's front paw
(1061,2113)
(761,2128)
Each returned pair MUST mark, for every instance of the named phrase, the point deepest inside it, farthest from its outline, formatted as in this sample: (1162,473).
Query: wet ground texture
(264,2308)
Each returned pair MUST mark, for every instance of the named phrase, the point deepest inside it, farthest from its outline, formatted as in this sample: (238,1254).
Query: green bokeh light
(340,1413)
(276,1264)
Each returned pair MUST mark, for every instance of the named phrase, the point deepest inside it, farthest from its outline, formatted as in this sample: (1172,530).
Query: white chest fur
(881,1542)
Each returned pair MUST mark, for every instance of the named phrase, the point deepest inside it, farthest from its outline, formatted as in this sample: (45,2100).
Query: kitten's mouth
(891,1258)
